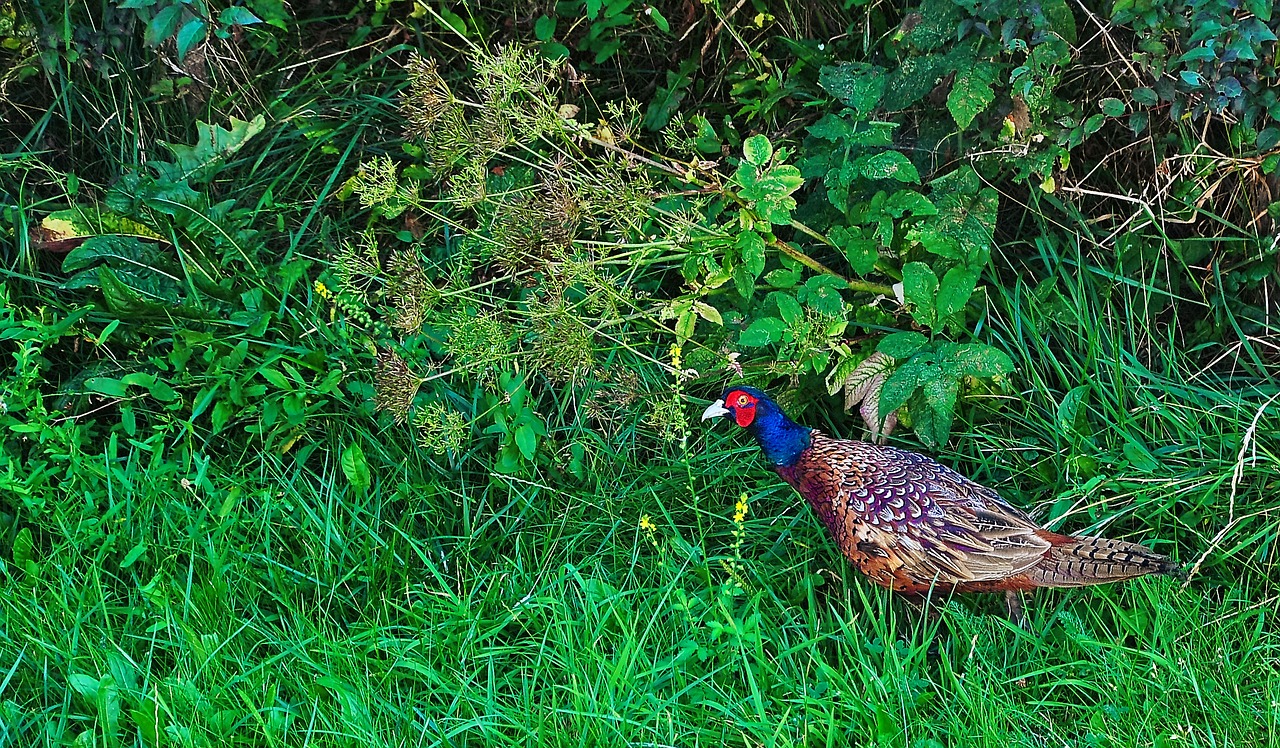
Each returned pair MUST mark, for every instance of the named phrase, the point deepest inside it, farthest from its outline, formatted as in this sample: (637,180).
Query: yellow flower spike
(646,524)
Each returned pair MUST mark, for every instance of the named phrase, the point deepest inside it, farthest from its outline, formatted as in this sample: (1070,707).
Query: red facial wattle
(743,407)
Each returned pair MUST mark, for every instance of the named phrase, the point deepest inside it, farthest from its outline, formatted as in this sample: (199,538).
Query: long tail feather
(1076,562)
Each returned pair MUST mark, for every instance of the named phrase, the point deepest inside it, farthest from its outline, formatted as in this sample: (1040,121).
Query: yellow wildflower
(323,291)
(646,524)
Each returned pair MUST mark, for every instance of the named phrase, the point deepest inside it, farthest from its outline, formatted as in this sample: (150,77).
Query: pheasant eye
(743,401)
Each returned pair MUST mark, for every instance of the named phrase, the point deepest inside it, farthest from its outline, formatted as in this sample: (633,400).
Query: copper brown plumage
(916,526)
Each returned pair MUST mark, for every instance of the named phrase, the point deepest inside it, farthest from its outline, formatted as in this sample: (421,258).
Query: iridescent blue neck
(781,438)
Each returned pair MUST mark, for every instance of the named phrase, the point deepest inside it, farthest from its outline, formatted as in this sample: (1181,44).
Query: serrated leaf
(862,385)
(1112,107)
(822,293)
(790,310)
(971,94)
(1145,96)
(974,360)
(898,388)
(762,332)
(920,289)
(356,468)
(902,345)
(708,312)
(858,85)
(888,165)
(751,248)
(757,150)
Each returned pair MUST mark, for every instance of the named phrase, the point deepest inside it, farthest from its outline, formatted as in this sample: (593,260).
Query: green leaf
(974,359)
(214,144)
(971,94)
(822,293)
(238,15)
(1145,96)
(858,85)
(1061,20)
(1112,107)
(757,150)
(666,101)
(954,292)
(23,548)
(544,28)
(191,34)
(132,556)
(163,24)
(527,441)
(888,165)
(1069,408)
(898,388)
(790,309)
(920,289)
(751,246)
(902,345)
(1268,138)
(762,332)
(356,468)
(106,386)
(658,19)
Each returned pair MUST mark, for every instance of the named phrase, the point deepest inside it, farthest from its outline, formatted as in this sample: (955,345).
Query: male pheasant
(916,526)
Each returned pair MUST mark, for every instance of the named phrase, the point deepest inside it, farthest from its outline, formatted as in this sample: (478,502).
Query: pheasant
(915,526)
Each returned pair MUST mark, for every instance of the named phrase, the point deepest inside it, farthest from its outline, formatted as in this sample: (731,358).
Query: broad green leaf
(971,93)
(790,310)
(899,387)
(666,101)
(920,289)
(888,165)
(213,145)
(938,21)
(527,441)
(750,247)
(905,201)
(902,345)
(191,34)
(757,150)
(106,386)
(1061,20)
(163,24)
(1145,96)
(974,360)
(822,293)
(238,15)
(954,292)
(1112,107)
(23,548)
(355,467)
(858,84)
(120,251)
(544,28)
(708,312)
(762,332)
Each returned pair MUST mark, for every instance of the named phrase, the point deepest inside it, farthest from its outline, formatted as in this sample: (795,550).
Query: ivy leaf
(902,345)
(954,292)
(971,93)
(920,289)
(888,165)
(762,332)
(757,150)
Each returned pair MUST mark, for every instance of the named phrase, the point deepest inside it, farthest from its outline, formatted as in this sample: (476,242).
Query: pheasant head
(781,438)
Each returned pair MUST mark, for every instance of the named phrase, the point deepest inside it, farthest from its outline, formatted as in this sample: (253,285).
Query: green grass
(190,588)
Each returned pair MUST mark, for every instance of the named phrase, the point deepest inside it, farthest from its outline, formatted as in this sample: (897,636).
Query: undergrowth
(353,361)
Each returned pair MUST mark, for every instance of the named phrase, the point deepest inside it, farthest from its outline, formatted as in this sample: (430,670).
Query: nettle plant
(520,248)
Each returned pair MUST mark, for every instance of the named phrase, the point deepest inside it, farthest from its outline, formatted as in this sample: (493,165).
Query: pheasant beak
(715,409)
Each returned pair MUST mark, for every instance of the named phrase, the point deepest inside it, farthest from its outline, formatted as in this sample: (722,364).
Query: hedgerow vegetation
(353,353)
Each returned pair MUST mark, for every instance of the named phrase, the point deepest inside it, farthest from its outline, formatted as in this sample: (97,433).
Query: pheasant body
(914,525)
